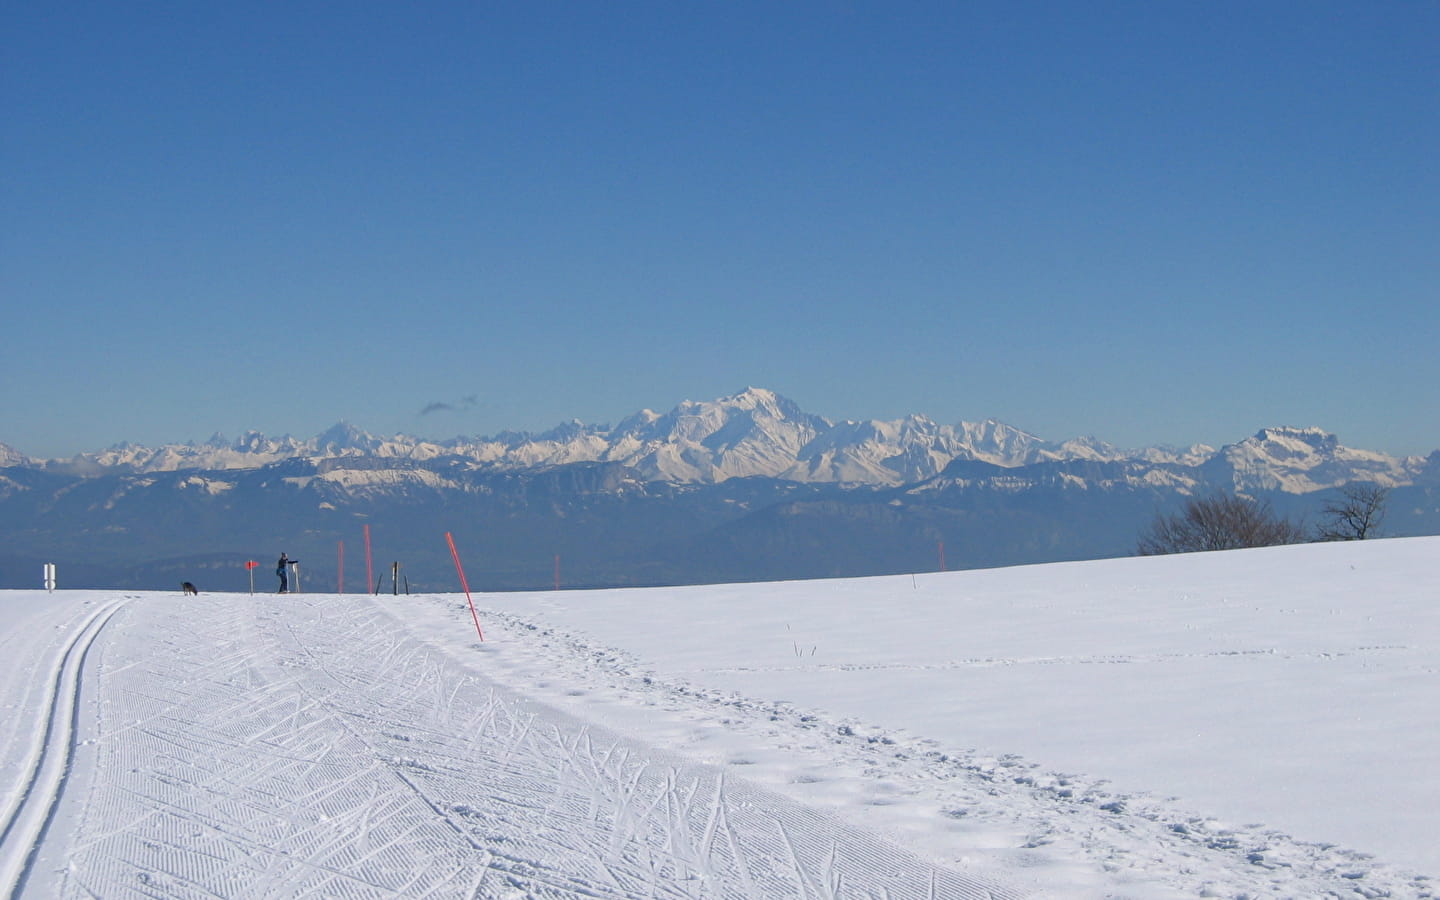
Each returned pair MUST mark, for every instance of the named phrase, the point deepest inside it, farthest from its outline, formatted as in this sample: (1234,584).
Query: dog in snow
(188,588)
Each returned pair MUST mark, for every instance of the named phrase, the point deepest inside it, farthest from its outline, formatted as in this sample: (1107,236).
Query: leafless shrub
(1219,522)
(1355,515)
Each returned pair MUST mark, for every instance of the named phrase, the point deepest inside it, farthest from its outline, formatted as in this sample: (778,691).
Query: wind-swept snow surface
(1257,723)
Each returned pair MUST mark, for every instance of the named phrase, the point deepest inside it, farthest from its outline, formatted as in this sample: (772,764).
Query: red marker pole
(941,546)
(369,572)
(455,555)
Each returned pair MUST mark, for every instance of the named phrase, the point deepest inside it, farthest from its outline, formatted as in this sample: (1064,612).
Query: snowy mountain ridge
(758,432)
(9,456)
(745,488)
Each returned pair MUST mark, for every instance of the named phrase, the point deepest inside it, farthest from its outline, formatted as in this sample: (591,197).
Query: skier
(283,572)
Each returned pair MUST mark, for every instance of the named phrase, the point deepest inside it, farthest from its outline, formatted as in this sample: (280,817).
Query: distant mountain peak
(751,396)
(1290,442)
(1300,460)
(1310,434)
(344,436)
(9,456)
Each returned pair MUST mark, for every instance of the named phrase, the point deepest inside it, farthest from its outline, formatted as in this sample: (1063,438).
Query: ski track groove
(311,747)
(47,765)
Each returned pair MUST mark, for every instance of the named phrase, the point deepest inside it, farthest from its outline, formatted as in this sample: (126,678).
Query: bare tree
(1219,522)
(1356,514)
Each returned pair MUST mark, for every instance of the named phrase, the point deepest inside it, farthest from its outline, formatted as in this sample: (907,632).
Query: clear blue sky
(1151,222)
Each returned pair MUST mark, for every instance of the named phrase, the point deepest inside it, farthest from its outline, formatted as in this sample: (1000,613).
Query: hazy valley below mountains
(747,487)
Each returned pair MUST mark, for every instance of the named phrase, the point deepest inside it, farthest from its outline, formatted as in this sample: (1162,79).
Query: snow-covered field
(1250,724)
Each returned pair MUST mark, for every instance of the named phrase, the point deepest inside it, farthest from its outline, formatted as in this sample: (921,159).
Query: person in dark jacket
(282,570)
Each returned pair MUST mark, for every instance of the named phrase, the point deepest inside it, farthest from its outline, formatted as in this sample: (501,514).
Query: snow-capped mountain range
(760,433)
(744,488)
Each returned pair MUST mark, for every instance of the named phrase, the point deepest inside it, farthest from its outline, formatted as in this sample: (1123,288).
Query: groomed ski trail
(309,746)
(32,797)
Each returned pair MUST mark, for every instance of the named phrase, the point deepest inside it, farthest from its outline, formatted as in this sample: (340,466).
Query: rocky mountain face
(9,457)
(742,488)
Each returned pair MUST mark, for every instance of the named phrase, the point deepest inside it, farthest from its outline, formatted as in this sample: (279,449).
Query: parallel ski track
(47,764)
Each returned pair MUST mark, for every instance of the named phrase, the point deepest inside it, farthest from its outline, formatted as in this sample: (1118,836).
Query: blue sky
(1150,222)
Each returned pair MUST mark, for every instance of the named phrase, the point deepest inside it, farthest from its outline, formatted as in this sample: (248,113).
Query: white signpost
(50,577)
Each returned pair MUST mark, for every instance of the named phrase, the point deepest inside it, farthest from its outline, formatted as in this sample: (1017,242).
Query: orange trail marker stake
(369,572)
(455,555)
